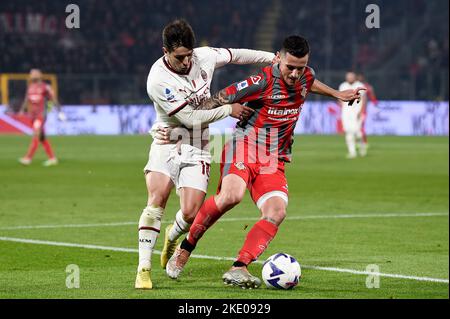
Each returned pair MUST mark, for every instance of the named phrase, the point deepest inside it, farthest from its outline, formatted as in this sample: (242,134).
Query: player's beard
(291,81)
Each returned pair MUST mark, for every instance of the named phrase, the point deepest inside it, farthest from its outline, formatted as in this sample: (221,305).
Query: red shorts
(263,180)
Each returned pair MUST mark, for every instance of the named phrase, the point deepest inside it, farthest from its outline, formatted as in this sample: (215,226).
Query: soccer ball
(281,271)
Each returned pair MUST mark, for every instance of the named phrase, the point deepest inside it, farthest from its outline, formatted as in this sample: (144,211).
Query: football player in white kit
(351,117)
(177,84)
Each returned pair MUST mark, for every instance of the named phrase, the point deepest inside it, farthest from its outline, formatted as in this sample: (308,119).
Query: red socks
(48,148)
(206,217)
(258,238)
(33,147)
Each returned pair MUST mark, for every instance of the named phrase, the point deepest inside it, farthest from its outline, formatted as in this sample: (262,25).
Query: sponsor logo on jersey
(169,94)
(242,85)
(283,112)
(256,79)
(277,97)
(197,99)
(240,166)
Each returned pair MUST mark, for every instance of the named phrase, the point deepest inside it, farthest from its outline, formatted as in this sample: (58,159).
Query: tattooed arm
(218,99)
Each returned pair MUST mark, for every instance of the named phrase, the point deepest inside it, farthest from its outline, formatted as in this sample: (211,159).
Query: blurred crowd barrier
(317,117)
(125,89)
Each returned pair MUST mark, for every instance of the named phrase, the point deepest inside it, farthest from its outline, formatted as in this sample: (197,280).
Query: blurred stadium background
(106,61)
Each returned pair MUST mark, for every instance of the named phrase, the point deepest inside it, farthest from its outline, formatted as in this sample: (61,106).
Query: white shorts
(189,169)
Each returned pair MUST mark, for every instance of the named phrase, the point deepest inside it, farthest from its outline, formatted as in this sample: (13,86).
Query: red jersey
(370,93)
(277,109)
(37,96)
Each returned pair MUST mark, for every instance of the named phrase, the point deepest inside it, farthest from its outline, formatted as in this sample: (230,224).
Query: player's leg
(37,125)
(256,242)
(350,140)
(361,137)
(191,200)
(363,127)
(231,193)
(52,160)
(192,185)
(349,124)
(269,192)
(362,147)
(159,186)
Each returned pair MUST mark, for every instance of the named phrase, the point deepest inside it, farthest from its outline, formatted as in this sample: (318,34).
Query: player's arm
(240,56)
(52,97)
(247,56)
(345,96)
(216,100)
(189,116)
(175,105)
(240,92)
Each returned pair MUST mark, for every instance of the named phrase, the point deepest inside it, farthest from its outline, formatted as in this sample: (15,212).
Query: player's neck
(167,63)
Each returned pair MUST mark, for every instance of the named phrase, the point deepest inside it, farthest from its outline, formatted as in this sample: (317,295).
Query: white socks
(180,227)
(149,227)
(351,144)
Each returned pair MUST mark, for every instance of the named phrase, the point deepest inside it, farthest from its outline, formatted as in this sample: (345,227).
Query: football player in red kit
(37,95)
(370,93)
(255,157)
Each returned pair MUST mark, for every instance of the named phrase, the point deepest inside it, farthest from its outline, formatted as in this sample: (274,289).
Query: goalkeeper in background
(37,96)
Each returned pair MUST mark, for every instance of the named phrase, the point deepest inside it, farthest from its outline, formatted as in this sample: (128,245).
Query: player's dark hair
(295,45)
(177,34)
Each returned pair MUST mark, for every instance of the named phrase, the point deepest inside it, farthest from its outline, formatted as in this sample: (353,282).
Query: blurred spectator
(121,41)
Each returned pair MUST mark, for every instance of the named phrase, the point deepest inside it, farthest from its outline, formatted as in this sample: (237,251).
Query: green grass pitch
(389,209)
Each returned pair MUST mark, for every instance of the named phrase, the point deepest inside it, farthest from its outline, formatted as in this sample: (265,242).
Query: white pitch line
(133,250)
(68,226)
(342,216)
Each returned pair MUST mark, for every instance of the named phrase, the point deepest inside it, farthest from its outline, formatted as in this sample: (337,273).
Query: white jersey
(171,91)
(347,86)
(175,97)
(350,120)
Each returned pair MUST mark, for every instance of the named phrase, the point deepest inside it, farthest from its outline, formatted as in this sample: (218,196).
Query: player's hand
(351,95)
(161,134)
(62,117)
(240,112)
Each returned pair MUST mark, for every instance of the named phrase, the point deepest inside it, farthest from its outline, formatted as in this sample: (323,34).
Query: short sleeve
(250,89)
(220,56)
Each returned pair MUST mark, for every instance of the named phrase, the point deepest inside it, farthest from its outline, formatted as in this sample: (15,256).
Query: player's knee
(156,198)
(275,215)
(151,216)
(189,213)
(230,198)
